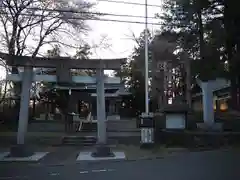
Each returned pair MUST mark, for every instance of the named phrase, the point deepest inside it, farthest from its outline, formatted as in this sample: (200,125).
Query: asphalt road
(220,165)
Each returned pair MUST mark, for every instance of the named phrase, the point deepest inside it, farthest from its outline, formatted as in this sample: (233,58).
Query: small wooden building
(80,97)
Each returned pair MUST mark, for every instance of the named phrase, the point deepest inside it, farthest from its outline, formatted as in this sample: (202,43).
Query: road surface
(218,165)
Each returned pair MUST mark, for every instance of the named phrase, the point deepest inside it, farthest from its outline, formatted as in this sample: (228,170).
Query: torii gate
(208,88)
(63,66)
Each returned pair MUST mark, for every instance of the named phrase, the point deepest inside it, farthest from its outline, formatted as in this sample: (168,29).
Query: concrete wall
(53,126)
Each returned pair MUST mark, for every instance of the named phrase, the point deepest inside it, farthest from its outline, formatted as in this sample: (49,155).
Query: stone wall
(46,126)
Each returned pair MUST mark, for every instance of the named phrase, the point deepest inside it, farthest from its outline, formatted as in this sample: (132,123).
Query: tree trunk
(188,81)
(230,43)
(201,34)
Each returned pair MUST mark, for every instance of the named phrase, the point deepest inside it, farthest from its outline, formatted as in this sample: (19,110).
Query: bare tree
(3,83)
(28,25)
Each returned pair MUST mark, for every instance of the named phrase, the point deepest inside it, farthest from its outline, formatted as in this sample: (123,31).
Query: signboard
(175,121)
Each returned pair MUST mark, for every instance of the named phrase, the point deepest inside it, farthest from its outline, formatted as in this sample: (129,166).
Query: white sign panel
(175,121)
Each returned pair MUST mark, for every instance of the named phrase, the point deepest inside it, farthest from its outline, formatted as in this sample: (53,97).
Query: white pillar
(24,105)
(101,111)
(207,98)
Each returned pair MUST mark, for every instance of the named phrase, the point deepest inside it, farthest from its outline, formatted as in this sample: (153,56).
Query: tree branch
(48,31)
(5,30)
(59,42)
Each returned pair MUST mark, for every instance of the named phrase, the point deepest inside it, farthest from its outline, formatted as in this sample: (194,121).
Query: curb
(103,161)
(174,154)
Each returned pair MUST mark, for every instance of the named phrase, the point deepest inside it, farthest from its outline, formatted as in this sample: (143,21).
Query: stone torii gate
(208,87)
(63,66)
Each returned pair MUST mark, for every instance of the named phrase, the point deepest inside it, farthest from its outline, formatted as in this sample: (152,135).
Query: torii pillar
(207,99)
(102,149)
(20,150)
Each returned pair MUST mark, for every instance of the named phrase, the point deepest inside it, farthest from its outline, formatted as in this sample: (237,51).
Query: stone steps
(84,141)
(79,141)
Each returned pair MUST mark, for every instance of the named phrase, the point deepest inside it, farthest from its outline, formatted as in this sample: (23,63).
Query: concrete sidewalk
(68,155)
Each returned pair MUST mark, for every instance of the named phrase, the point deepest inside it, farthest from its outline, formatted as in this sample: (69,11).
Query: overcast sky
(118,34)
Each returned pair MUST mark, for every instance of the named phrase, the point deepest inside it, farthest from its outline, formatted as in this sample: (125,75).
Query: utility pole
(146,118)
(146,58)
